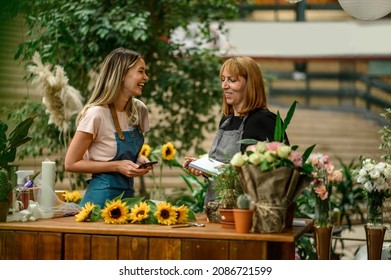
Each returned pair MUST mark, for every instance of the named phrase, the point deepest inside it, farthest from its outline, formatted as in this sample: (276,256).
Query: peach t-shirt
(97,120)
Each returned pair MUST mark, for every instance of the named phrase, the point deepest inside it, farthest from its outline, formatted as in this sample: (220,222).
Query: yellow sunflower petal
(145,150)
(139,212)
(168,151)
(166,214)
(84,212)
(115,212)
(181,213)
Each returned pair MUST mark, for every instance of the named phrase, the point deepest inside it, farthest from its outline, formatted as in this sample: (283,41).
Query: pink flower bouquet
(273,174)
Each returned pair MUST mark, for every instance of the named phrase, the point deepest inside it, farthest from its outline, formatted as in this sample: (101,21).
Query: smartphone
(144,165)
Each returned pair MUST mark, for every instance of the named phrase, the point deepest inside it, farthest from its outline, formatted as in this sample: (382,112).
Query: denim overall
(106,186)
(223,148)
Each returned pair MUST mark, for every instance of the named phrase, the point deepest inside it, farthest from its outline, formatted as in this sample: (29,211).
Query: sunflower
(116,212)
(139,212)
(181,214)
(73,196)
(168,151)
(85,212)
(145,151)
(166,214)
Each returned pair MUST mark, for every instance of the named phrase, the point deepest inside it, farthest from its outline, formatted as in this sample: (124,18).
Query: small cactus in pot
(243,214)
(243,201)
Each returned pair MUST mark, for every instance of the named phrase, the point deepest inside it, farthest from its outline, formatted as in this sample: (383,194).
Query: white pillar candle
(48,174)
(48,177)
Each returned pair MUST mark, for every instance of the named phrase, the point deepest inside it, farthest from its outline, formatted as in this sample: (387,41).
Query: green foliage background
(184,84)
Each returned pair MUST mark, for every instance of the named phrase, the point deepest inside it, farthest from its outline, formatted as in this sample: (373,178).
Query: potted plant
(8,146)
(5,190)
(227,187)
(243,214)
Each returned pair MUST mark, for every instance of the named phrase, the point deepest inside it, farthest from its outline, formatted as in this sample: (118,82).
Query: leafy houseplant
(16,138)
(5,189)
(8,146)
(227,186)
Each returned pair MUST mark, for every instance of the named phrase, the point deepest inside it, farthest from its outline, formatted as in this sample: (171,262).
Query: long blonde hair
(255,91)
(109,82)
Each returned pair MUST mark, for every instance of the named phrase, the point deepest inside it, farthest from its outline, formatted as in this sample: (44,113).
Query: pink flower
(336,176)
(296,158)
(321,191)
(273,146)
(251,148)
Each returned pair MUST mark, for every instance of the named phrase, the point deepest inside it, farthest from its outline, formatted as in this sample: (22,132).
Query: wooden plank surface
(210,231)
(254,250)
(164,249)
(77,247)
(104,247)
(25,245)
(133,248)
(49,246)
(205,249)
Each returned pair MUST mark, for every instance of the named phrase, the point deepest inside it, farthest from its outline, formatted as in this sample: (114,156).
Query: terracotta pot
(227,218)
(4,209)
(243,220)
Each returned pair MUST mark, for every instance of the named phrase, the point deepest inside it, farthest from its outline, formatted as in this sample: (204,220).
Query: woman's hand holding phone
(147,164)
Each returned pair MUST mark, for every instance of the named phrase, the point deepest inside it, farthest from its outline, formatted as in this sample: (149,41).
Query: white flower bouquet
(376,180)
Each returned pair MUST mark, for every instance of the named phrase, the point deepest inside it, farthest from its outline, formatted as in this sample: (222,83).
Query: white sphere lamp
(366,9)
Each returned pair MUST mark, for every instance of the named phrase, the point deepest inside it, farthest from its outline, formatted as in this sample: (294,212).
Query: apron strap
(116,123)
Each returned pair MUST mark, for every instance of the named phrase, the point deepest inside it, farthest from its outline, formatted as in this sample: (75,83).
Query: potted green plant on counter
(227,187)
(8,147)
(243,214)
(5,190)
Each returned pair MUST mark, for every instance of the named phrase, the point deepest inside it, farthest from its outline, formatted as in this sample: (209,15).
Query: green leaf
(191,216)
(20,131)
(247,141)
(289,115)
(96,214)
(281,127)
(278,130)
(132,201)
(307,153)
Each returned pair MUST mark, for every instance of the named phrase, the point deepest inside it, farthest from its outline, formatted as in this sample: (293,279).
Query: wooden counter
(64,238)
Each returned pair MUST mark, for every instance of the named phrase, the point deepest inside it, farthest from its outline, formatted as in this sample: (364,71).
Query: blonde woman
(110,129)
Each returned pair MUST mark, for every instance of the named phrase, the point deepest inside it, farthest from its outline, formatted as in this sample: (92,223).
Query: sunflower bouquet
(164,155)
(135,210)
(72,196)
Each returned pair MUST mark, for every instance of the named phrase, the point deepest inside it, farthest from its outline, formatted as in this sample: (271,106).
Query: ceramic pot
(243,220)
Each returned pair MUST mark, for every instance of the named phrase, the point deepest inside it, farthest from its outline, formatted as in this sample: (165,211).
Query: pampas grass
(62,101)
